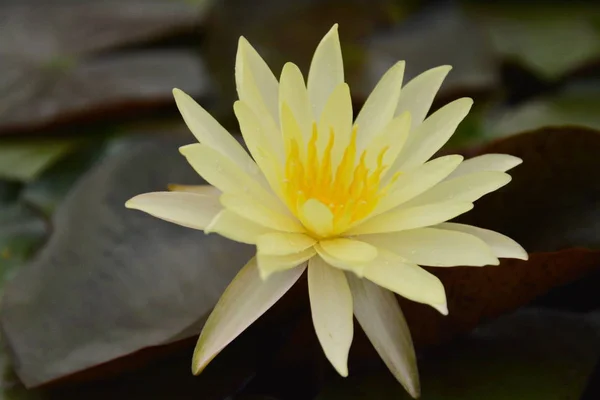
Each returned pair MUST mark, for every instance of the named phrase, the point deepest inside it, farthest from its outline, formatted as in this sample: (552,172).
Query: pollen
(350,190)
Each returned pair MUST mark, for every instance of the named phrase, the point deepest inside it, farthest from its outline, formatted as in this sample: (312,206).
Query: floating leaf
(552,40)
(436,36)
(124,279)
(527,355)
(24,160)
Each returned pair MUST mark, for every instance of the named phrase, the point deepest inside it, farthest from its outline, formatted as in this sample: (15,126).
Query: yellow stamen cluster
(351,192)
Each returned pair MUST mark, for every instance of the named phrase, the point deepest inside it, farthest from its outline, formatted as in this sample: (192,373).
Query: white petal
(391,140)
(417,95)
(198,189)
(246,298)
(253,76)
(435,247)
(258,87)
(464,188)
(254,211)
(501,245)
(260,144)
(379,315)
(379,108)
(187,209)
(486,162)
(232,226)
(279,243)
(269,264)
(337,119)
(209,132)
(292,91)
(401,219)
(326,71)
(408,280)
(331,308)
(432,134)
(416,181)
(221,172)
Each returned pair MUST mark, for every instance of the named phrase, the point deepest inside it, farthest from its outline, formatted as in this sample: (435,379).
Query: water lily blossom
(358,204)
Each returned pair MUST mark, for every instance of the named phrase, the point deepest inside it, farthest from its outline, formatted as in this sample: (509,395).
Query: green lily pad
(532,354)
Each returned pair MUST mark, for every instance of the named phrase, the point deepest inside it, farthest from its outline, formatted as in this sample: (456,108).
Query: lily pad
(111,281)
(531,354)
(38,93)
(437,35)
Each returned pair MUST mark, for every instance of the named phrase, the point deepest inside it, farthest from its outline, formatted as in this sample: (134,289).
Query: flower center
(350,191)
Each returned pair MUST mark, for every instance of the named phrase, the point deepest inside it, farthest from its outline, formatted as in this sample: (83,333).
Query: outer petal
(279,243)
(254,77)
(502,246)
(418,94)
(379,108)
(486,162)
(258,87)
(326,71)
(222,173)
(379,315)
(254,211)
(208,190)
(408,280)
(432,134)
(209,132)
(411,217)
(435,247)
(187,209)
(337,118)
(292,91)
(268,264)
(246,298)
(232,226)
(464,188)
(417,181)
(331,308)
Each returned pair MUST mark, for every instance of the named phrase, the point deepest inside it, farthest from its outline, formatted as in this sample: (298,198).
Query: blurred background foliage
(99,302)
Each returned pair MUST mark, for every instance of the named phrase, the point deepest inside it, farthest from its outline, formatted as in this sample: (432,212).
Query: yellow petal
(316,217)
(408,280)
(389,143)
(344,264)
(410,218)
(326,71)
(467,188)
(278,243)
(292,91)
(258,87)
(432,134)
(502,246)
(337,119)
(232,226)
(379,108)
(269,264)
(417,181)
(198,189)
(187,209)
(260,144)
(417,95)
(331,309)
(210,133)
(380,317)
(435,247)
(486,162)
(246,298)
(222,173)
(252,210)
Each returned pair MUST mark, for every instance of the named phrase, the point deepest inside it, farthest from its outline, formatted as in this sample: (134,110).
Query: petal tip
(442,308)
